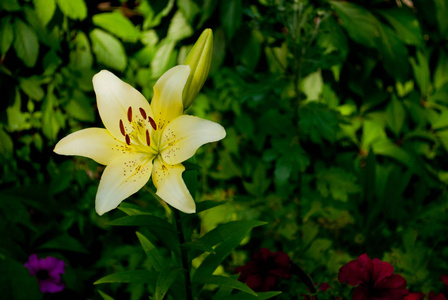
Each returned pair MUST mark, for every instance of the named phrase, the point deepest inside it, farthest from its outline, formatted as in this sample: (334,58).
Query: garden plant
(237,149)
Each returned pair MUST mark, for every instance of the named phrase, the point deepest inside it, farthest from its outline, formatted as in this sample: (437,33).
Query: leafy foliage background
(337,133)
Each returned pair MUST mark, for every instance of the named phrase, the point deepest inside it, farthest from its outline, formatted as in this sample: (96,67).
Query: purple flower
(48,272)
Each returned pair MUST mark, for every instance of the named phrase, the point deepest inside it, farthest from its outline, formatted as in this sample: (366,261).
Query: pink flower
(48,272)
(439,296)
(374,279)
(261,273)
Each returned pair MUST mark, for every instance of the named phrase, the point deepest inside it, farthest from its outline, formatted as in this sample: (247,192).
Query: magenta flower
(261,273)
(444,279)
(415,296)
(374,279)
(48,272)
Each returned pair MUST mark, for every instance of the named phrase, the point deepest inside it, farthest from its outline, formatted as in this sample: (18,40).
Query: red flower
(374,279)
(444,278)
(415,296)
(262,271)
(439,296)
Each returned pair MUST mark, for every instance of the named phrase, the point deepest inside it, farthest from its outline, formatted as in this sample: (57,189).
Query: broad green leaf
(132,209)
(443,136)
(164,281)
(227,282)
(45,10)
(6,145)
(51,123)
(199,245)
(372,131)
(10,5)
(64,242)
(74,9)
(440,77)
(6,34)
(153,12)
(441,13)
(135,276)
(17,120)
(81,57)
(25,43)
(80,107)
(161,60)
(231,16)
(312,85)
(441,121)
(189,9)
(260,183)
(395,115)
(32,87)
(117,24)
(155,259)
(251,51)
(108,50)
(207,204)
(179,28)
(421,73)
(386,147)
(406,25)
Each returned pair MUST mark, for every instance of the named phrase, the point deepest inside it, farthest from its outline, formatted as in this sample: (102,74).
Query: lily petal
(95,143)
(123,177)
(185,134)
(171,187)
(114,97)
(167,103)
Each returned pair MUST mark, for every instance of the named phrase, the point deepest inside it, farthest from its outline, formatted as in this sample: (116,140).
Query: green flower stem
(183,252)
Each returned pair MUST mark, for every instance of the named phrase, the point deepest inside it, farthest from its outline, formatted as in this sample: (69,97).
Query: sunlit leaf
(45,10)
(108,50)
(6,34)
(118,25)
(25,43)
(74,9)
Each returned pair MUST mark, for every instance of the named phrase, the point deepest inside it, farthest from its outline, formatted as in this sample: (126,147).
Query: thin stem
(183,252)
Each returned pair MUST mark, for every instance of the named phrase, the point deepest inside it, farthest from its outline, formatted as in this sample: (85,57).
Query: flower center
(137,131)
(42,274)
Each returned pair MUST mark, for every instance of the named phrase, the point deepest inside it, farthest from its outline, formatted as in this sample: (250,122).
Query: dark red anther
(143,113)
(153,123)
(128,140)
(122,128)
(130,114)
(148,140)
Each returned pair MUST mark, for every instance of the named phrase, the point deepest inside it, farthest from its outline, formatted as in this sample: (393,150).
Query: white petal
(95,143)
(185,134)
(171,187)
(114,97)
(167,100)
(123,177)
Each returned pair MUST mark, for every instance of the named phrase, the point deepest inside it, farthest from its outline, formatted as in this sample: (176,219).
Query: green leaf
(50,121)
(395,115)
(421,73)
(406,25)
(337,182)
(228,236)
(10,5)
(108,50)
(260,182)
(164,281)
(155,259)
(45,10)
(17,120)
(161,60)
(386,147)
(74,9)
(207,204)
(244,296)
(80,107)
(135,276)
(199,245)
(251,51)
(312,85)
(81,57)
(231,16)
(189,9)
(6,146)
(157,226)
(32,87)
(105,296)
(64,242)
(227,282)
(443,136)
(441,13)
(117,24)
(6,34)
(440,77)
(16,282)
(179,28)
(25,43)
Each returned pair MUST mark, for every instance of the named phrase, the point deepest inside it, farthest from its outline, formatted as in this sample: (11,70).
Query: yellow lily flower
(142,139)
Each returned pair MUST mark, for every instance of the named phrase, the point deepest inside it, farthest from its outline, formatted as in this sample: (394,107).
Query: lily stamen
(130,114)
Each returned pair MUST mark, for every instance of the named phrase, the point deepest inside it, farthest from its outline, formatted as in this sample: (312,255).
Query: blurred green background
(337,132)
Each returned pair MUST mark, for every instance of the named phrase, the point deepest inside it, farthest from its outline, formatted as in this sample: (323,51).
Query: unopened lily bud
(199,60)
